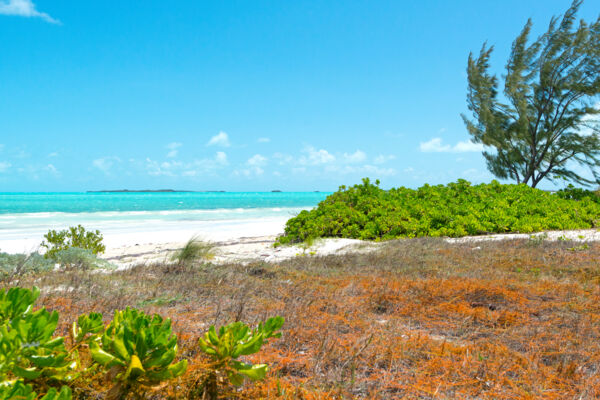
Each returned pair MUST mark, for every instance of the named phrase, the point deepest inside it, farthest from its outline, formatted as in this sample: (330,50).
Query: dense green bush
(366,211)
(573,193)
(75,236)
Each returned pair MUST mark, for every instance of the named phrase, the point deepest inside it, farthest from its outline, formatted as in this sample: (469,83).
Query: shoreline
(253,242)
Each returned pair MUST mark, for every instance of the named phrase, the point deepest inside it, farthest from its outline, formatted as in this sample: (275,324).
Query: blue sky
(245,95)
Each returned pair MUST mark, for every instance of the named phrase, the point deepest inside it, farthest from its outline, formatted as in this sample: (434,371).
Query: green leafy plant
(18,390)
(367,212)
(29,352)
(56,241)
(138,351)
(225,345)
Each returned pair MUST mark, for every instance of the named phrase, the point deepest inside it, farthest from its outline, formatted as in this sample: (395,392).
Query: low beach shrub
(75,236)
(225,345)
(18,264)
(137,351)
(367,212)
(77,258)
(29,351)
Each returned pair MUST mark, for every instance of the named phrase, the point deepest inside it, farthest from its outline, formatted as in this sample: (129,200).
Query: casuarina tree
(544,123)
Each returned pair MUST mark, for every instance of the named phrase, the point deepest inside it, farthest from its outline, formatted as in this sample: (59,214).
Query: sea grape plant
(75,236)
(18,390)
(138,351)
(29,352)
(225,345)
(367,212)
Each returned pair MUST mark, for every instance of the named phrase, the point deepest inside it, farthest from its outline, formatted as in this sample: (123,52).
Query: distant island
(141,191)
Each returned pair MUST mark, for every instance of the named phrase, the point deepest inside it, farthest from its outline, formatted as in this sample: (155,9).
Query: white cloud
(52,169)
(220,139)
(436,145)
(4,166)
(194,168)
(221,158)
(53,154)
(362,169)
(24,8)
(356,157)
(172,147)
(105,164)
(256,161)
(316,157)
(591,123)
(254,164)
(382,159)
(263,140)
(283,159)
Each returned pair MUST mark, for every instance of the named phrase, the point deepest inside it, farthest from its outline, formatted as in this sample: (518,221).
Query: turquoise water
(16,203)
(148,217)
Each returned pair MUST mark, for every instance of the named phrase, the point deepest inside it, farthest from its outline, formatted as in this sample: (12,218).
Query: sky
(245,95)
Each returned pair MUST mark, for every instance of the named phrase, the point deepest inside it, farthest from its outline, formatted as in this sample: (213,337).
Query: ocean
(132,218)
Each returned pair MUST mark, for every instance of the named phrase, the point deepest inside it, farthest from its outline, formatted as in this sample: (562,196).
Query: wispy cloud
(24,8)
(172,147)
(189,169)
(105,164)
(313,156)
(382,159)
(220,139)
(4,166)
(263,140)
(436,145)
(356,157)
(254,166)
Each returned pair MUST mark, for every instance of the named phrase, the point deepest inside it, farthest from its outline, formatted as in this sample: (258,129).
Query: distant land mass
(141,191)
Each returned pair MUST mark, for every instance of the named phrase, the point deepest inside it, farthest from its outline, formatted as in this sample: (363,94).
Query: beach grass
(418,318)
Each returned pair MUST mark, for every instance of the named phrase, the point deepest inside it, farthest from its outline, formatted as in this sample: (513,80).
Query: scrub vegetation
(418,319)
(365,211)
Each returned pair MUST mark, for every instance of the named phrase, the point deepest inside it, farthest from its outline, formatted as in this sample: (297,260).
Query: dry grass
(416,319)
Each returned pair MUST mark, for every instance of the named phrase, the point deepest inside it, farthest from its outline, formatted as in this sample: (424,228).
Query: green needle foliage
(138,351)
(545,122)
(57,241)
(226,345)
(370,213)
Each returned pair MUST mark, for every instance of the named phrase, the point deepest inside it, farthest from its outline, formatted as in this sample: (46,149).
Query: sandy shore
(260,248)
(243,249)
(246,244)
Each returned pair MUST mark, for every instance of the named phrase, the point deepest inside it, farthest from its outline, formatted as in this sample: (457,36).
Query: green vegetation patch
(367,212)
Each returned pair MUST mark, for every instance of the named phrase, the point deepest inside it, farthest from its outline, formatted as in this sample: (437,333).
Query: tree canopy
(545,123)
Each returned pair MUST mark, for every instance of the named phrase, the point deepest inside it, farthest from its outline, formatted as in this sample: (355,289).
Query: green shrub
(227,344)
(28,349)
(18,390)
(137,351)
(18,264)
(77,258)
(368,212)
(72,237)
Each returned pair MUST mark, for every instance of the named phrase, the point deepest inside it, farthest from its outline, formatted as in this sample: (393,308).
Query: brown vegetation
(416,319)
